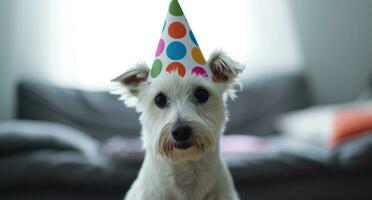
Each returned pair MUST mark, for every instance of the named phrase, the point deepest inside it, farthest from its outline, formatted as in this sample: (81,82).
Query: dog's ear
(224,69)
(131,82)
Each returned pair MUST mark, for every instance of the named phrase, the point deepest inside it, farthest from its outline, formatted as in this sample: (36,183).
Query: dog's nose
(182,133)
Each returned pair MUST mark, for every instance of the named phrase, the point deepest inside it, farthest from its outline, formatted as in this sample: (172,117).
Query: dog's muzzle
(182,134)
(185,141)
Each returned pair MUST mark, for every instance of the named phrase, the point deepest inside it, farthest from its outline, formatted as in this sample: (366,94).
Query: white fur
(169,173)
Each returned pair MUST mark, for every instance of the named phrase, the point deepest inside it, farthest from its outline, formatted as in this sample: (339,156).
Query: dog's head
(182,118)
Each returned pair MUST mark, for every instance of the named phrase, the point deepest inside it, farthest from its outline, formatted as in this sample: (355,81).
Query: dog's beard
(195,148)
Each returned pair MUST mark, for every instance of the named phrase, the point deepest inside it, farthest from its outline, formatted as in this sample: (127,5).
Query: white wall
(336,37)
(6,90)
(24,43)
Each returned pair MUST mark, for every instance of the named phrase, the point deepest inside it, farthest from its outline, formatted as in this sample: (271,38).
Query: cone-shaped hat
(178,51)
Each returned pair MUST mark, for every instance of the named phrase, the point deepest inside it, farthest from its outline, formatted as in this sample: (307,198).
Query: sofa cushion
(24,136)
(263,99)
(327,125)
(102,115)
(35,154)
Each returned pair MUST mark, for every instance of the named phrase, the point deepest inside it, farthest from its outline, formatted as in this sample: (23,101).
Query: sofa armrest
(262,100)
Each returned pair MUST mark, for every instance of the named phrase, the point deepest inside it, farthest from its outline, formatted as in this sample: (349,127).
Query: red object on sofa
(350,123)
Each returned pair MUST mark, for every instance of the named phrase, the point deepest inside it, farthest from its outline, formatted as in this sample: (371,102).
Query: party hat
(178,51)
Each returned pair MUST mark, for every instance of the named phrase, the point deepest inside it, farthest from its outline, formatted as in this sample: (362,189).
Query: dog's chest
(192,181)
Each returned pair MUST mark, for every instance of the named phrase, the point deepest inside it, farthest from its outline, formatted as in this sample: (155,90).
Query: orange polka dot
(198,56)
(177,30)
(176,66)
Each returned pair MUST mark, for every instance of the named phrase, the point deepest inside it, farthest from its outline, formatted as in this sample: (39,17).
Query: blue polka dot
(176,51)
(165,22)
(193,38)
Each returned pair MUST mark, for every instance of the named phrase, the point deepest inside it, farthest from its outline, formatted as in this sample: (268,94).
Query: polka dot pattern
(156,68)
(177,30)
(197,56)
(193,39)
(199,71)
(175,8)
(176,50)
(160,48)
(176,66)
(165,23)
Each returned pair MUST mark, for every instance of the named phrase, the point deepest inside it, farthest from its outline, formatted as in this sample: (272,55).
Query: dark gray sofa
(101,115)
(73,144)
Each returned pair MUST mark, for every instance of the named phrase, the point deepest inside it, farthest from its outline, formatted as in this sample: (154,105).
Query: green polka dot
(175,8)
(156,68)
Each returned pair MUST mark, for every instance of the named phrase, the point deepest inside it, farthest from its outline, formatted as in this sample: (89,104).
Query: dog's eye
(161,100)
(201,95)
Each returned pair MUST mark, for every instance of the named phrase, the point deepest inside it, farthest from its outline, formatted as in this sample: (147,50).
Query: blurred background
(84,44)
(307,93)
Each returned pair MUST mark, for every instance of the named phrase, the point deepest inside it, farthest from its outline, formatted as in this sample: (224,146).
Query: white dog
(182,121)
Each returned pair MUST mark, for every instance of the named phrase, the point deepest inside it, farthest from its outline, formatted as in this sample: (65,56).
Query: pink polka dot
(199,71)
(160,48)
